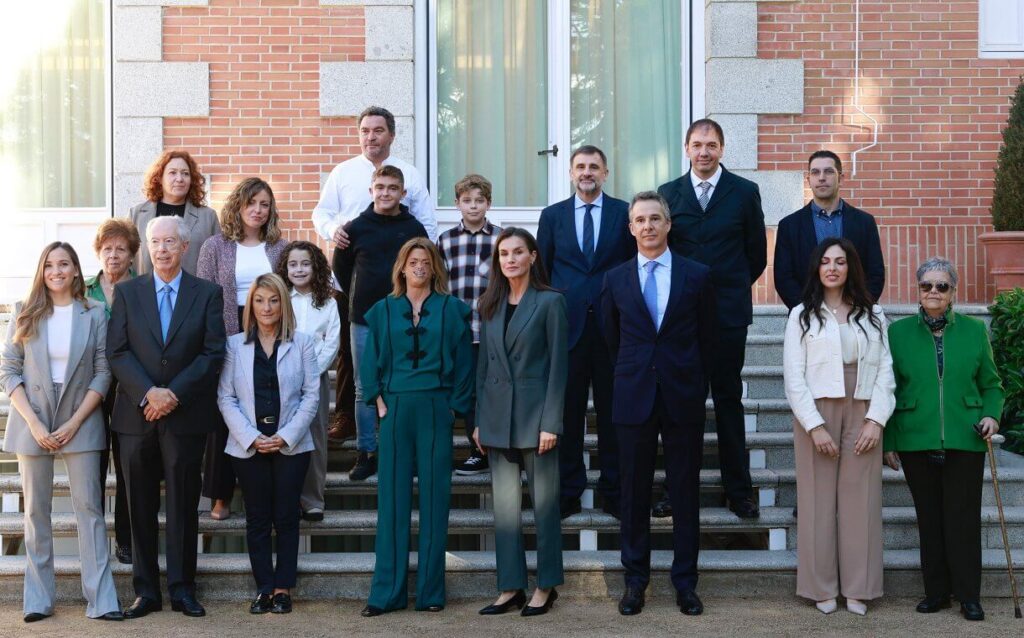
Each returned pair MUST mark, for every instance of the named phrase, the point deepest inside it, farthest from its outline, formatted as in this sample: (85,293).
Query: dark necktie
(588,233)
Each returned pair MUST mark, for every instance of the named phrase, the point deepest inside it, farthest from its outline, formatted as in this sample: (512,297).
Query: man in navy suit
(826,215)
(658,314)
(717,220)
(580,239)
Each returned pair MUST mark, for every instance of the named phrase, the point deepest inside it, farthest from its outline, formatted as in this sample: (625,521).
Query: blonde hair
(37,304)
(231,225)
(274,283)
(439,280)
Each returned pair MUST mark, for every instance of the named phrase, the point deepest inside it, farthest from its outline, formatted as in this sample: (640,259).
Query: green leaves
(1008,196)
(1008,350)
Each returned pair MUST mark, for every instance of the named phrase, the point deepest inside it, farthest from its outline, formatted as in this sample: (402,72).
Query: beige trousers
(839,529)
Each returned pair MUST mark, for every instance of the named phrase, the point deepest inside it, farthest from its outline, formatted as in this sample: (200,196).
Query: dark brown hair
(855,290)
(388,170)
(471,181)
(322,289)
(497,284)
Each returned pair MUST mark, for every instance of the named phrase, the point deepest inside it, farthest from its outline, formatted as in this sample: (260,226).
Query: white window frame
(988,49)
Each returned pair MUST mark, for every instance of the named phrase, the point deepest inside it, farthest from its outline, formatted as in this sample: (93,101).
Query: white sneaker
(856,607)
(826,606)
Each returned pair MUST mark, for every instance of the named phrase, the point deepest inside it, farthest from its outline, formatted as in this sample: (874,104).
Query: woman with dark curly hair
(249,245)
(305,270)
(173,185)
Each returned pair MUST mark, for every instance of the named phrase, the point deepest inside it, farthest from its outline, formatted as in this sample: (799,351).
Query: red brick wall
(264,58)
(940,110)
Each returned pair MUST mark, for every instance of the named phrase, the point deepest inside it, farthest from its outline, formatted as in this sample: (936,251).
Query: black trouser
(469,417)
(589,363)
(179,457)
(122,521)
(947,498)
(683,445)
(271,485)
(727,394)
(345,391)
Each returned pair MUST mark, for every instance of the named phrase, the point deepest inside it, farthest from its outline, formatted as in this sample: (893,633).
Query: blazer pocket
(907,403)
(973,402)
(818,350)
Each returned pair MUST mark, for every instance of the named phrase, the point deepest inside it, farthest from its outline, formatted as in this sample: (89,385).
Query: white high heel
(826,606)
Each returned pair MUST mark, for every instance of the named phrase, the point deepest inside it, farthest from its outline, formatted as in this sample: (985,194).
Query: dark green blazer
(934,414)
(521,373)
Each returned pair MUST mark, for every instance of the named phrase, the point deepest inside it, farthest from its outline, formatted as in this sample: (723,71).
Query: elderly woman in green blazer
(520,392)
(948,397)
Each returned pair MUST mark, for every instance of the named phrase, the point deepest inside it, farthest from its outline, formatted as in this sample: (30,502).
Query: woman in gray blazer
(268,394)
(173,185)
(520,385)
(54,369)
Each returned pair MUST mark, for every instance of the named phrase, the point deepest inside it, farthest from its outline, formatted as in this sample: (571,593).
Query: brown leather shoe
(342,428)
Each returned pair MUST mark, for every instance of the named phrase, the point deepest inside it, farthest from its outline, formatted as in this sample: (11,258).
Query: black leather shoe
(35,616)
(282,604)
(689,603)
(313,516)
(517,601)
(932,604)
(745,508)
(662,509)
(123,554)
(569,507)
(141,607)
(972,611)
(262,604)
(189,606)
(632,602)
(115,616)
(370,611)
(365,467)
(543,609)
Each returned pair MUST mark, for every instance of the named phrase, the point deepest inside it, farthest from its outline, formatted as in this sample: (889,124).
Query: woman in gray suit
(520,385)
(54,369)
(268,394)
(173,185)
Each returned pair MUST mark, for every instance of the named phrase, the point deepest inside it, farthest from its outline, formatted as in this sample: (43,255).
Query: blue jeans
(366,415)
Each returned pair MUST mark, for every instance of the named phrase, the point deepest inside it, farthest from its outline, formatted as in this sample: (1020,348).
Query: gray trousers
(316,476)
(544,482)
(86,497)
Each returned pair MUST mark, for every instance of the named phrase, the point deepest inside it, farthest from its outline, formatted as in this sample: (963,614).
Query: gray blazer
(298,378)
(29,366)
(521,373)
(202,222)
(217,264)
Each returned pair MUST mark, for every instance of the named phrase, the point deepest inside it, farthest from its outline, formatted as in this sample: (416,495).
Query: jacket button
(517,357)
(35,409)
(35,387)
(163,362)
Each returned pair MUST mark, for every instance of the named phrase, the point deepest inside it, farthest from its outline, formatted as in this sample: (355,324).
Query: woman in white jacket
(839,384)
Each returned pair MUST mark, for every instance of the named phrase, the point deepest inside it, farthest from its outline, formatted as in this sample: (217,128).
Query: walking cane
(998,439)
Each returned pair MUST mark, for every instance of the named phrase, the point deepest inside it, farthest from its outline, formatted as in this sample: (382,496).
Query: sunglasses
(941,286)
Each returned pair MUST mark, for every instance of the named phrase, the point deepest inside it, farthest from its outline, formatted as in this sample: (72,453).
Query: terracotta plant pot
(1005,258)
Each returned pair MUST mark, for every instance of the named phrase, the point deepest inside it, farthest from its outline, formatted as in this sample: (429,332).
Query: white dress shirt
(346,193)
(713,180)
(662,276)
(581,212)
(323,324)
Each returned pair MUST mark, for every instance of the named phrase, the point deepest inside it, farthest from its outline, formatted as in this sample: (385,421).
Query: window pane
(626,66)
(492,97)
(52,106)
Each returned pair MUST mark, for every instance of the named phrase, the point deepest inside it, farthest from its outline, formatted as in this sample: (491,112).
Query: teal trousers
(416,432)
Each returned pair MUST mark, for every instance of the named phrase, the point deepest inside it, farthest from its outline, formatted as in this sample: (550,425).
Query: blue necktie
(165,310)
(651,292)
(588,233)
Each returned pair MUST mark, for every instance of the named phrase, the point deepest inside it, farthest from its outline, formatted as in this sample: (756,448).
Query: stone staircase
(738,558)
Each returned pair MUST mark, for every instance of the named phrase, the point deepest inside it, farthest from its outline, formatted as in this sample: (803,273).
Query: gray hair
(183,230)
(649,196)
(941,264)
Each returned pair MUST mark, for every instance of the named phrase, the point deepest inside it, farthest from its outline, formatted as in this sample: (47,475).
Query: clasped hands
(867,440)
(55,440)
(159,403)
(268,444)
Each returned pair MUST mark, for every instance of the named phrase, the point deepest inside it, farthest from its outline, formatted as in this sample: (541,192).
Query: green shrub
(1008,348)
(1008,195)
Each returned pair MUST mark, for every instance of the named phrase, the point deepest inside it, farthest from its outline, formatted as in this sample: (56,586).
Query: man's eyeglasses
(941,286)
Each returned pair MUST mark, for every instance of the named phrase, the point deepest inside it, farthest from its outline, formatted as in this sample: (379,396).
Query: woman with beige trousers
(839,384)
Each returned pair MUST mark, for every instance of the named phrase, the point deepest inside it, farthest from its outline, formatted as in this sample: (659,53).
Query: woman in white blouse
(304,268)
(839,383)
(249,245)
(54,369)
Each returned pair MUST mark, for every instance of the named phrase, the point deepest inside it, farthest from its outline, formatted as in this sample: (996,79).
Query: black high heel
(543,609)
(517,601)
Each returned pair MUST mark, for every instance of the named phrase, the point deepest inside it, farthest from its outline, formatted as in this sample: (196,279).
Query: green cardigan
(970,387)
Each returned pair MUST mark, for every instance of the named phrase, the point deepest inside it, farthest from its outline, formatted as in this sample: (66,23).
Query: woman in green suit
(520,390)
(417,370)
(948,397)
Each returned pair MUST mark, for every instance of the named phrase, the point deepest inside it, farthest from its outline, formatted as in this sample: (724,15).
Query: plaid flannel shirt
(467,258)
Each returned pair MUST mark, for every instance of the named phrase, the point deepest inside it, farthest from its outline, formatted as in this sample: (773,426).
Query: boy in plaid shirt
(466,250)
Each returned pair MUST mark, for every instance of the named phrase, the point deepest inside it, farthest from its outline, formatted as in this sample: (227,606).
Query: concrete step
(757,574)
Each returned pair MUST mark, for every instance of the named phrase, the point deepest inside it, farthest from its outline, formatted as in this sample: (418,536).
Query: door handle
(553,151)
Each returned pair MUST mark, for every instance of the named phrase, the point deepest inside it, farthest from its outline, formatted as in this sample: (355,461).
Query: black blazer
(729,237)
(676,357)
(570,273)
(189,364)
(795,241)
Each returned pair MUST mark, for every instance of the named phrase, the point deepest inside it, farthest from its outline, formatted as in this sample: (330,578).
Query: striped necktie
(704,198)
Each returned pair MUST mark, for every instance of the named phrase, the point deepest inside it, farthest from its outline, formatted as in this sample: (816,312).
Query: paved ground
(723,617)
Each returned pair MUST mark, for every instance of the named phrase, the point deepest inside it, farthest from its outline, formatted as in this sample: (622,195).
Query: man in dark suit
(580,239)
(826,215)
(658,314)
(165,341)
(717,221)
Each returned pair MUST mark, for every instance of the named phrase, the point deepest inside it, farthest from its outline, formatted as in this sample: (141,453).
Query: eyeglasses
(941,286)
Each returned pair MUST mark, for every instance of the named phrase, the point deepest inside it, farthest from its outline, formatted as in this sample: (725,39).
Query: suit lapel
(248,356)
(496,335)
(146,291)
(569,230)
(522,315)
(725,184)
(40,353)
(605,233)
(79,336)
(675,291)
(633,284)
(191,216)
(689,196)
(808,238)
(182,306)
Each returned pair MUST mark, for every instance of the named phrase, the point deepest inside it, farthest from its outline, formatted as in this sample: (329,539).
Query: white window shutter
(1001,28)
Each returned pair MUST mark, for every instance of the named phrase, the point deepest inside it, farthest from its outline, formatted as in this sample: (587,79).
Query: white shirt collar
(579,203)
(664,259)
(713,180)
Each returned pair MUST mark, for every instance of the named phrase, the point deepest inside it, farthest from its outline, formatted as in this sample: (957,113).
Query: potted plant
(1008,349)
(1005,246)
